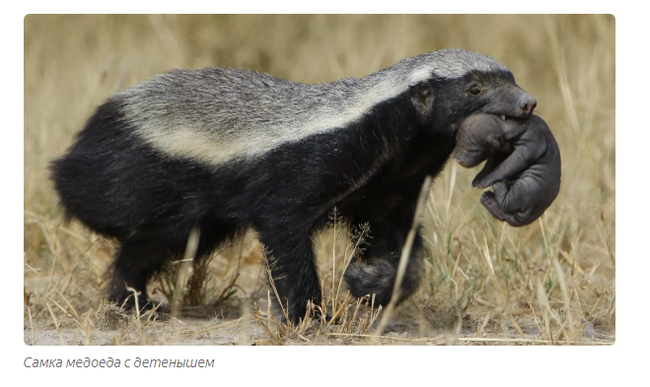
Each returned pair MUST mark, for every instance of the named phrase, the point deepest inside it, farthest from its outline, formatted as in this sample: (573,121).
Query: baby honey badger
(225,150)
(523,164)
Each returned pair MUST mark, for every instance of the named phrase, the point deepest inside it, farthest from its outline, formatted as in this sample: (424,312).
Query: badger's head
(448,86)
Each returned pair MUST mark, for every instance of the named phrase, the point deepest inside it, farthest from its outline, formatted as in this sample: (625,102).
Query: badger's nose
(527,103)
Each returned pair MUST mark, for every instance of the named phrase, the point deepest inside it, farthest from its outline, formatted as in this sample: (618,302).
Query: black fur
(372,170)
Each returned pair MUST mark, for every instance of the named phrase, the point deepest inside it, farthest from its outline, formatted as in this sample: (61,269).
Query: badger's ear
(422,98)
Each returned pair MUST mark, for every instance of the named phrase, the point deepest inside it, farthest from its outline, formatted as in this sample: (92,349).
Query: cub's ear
(422,99)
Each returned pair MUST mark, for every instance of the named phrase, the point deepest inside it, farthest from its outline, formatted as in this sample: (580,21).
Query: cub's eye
(475,90)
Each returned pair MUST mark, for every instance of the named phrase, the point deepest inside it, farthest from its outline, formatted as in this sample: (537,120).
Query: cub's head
(483,135)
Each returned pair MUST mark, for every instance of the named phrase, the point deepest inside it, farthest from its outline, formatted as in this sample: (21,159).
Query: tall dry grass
(550,282)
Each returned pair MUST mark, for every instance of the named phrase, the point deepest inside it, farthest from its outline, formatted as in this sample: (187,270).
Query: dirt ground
(245,330)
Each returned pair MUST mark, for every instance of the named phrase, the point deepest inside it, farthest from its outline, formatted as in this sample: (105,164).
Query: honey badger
(227,150)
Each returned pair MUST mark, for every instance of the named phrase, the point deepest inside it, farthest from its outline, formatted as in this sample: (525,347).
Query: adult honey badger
(227,150)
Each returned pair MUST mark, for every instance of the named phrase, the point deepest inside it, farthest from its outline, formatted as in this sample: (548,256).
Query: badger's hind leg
(135,262)
(143,255)
(292,265)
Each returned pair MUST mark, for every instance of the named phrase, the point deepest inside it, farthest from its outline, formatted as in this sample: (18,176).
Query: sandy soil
(228,326)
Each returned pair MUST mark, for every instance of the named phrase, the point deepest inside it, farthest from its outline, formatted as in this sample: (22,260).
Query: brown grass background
(548,283)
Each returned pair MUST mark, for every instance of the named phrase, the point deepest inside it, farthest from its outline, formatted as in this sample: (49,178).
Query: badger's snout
(527,103)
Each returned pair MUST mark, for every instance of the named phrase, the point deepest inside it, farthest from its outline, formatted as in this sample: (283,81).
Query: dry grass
(487,283)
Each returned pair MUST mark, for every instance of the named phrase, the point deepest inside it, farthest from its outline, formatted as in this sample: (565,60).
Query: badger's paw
(374,277)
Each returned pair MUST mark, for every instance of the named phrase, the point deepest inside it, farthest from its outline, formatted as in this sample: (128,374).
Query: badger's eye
(475,90)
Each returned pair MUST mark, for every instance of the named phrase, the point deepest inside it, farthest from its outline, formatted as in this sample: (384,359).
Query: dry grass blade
(515,324)
(56,323)
(486,255)
(62,308)
(406,252)
(285,311)
(136,295)
(363,233)
(31,325)
(452,184)
(565,295)
(181,279)
(335,229)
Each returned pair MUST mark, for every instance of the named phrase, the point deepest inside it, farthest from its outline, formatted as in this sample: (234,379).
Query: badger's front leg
(293,270)
(390,218)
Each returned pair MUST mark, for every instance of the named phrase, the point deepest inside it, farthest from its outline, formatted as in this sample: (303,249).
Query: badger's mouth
(505,117)
(502,116)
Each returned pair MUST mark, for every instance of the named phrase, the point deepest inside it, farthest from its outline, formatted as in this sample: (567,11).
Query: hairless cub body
(523,164)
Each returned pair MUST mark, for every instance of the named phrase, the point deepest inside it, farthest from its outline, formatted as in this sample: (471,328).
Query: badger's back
(177,147)
(216,115)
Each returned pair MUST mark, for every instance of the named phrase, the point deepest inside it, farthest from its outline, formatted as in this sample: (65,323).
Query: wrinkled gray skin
(523,165)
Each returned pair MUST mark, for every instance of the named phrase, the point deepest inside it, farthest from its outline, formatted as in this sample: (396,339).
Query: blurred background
(541,281)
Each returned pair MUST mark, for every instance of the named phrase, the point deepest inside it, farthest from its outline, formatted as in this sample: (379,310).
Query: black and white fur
(227,150)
